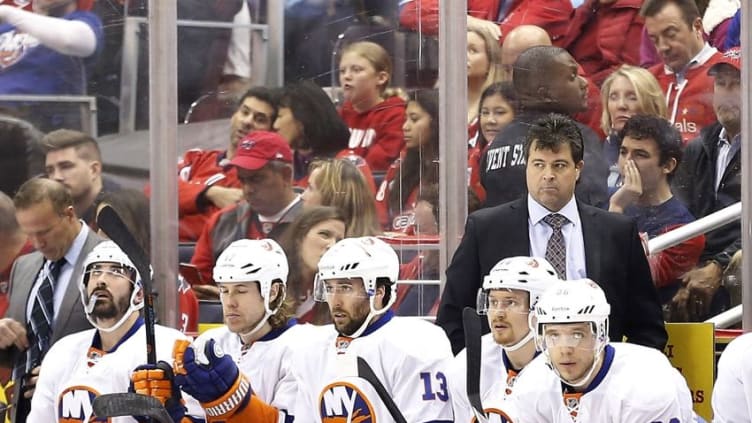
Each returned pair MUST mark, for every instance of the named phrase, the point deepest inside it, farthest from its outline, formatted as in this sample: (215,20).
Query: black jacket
(502,167)
(614,258)
(694,185)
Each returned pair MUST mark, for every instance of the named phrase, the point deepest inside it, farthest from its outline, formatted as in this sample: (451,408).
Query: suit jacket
(70,318)
(614,258)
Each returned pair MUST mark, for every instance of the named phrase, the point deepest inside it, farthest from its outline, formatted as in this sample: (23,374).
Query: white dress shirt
(539,233)
(61,285)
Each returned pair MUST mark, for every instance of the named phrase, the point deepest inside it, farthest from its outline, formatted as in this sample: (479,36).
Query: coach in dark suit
(590,243)
(44,210)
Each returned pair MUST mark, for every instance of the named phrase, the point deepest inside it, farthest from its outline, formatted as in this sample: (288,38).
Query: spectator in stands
(734,32)
(264,168)
(545,79)
(650,152)
(309,122)
(49,50)
(717,19)
(338,183)
(526,36)
(605,34)
(313,232)
(626,92)
(206,182)
(675,27)
(418,166)
(73,159)
(15,243)
(710,179)
(497,108)
(373,111)
(591,242)
(500,17)
(133,208)
(21,155)
(483,69)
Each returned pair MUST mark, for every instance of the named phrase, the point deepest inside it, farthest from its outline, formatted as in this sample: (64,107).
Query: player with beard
(97,361)
(507,297)
(357,279)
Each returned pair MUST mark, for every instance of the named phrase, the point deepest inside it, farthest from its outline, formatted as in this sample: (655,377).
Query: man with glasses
(99,361)
(44,305)
(581,376)
(509,292)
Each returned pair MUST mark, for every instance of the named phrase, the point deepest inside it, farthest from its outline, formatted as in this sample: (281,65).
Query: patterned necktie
(556,250)
(39,327)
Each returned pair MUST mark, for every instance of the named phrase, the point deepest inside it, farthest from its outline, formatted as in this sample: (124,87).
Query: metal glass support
(452,127)
(163,95)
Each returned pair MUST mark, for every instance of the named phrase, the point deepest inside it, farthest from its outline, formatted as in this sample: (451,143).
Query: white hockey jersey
(73,373)
(267,362)
(408,355)
(493,377)
(732,392)
(636,384)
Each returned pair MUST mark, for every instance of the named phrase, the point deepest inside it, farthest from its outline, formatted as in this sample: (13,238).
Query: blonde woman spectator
(483,69)
(628,91)
(338,183)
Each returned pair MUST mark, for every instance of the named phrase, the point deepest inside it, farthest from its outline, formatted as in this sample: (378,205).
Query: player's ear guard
(157,380)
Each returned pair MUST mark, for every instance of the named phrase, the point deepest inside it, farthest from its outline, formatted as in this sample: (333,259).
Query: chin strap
(519,344)
(259,325)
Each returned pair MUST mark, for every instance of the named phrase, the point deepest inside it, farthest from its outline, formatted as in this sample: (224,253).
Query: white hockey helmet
(366,258)
(530,274)
(254,260)
(109,252)
(575,301)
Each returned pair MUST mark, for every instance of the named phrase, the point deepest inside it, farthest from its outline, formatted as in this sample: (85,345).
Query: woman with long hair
(338,183)
(307,238)
(418,166)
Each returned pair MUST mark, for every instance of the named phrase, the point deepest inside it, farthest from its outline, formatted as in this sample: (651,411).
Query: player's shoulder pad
(72,341)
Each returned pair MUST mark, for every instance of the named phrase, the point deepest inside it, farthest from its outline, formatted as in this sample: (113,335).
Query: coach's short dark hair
(666,136)
(551,132)
(688,8)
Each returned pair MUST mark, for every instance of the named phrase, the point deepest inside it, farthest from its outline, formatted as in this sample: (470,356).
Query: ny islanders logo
(342,402)
(74,405)
(14,46)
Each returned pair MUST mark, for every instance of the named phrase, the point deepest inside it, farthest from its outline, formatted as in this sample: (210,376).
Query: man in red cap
(263,162)
(710,179)
(207,183)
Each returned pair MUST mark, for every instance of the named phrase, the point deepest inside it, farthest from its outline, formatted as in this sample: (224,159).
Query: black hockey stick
(112,225)
(130,404)
(471,322)
(366,372)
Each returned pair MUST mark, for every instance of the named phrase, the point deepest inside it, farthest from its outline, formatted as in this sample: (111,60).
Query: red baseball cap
(259,148)
(732,57)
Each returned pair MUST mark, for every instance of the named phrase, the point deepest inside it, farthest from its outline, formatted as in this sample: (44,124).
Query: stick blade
(473,332)
(130,404)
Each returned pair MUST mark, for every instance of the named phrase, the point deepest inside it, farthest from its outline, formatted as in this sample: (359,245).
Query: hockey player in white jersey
(356,278)
(732,392)
(509,292)
(86,364)
(581,377)
(260,333)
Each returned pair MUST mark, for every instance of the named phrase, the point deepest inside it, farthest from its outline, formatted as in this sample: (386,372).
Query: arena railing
(133,25)
(706,224)
(34,107)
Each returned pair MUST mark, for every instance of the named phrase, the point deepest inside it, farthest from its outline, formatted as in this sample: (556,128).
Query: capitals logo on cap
(259,148)
(732,57)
